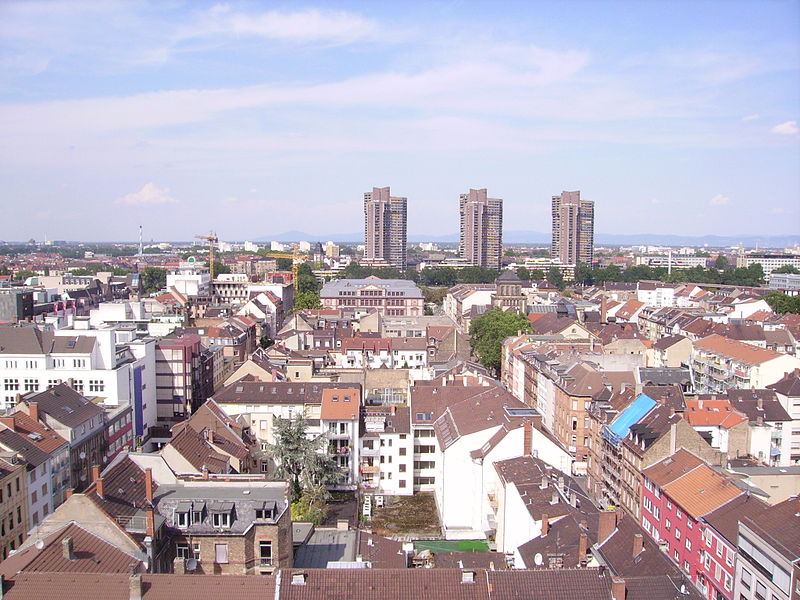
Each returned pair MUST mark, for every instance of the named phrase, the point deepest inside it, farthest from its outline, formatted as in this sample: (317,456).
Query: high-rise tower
(481,241)
(385,218)
(573,229)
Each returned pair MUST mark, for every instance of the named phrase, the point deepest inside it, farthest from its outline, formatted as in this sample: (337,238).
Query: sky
(255,118)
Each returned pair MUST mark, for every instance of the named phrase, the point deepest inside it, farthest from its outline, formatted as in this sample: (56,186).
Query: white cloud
(655,201)
(787,128)
(751,117)
(149,194)
(720,200)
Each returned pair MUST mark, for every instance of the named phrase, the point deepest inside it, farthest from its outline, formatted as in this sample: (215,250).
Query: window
(182,519)
(747,579)
(667,524)
(97,385)
(678,513)
(221,520)
(686,566)
(669,505)
(729,557)
(402,451)
(728,582)
(688,544)
(182,550)
(402,483)
(402,468)
(221,554)
(761,591)
(689,524)
(677,534)
(265,552)
(196,550)
(78,363)
(31,385)
(719,548)
(11,385)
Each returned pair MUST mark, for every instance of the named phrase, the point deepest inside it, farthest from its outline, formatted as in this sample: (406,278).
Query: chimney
(8,421)
(583,548)
(135,586)
(618,588)
(205,472)
(179,566)
(527,439)
(760,403)
(673,438)
(95,472)
(33,410)
(638,544)
(66,547)
(545,524)
(150,516)
(69,492)
(148,485)
(606,524)
(98,486)
(210,436)
(603,310)
(554,499)
(543,485)
(699,403)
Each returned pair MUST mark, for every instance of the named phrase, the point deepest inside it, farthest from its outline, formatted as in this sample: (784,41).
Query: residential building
(768,553)
(768,262)
(788,283)
(388,451)
(573,229)
(190,278)
(385,222)
(481,240)
(679,491)
(719,363)
(79,421)
(179,382)
(47,459)
(104,363)
(357,297)
(787,390)
(14,523)
(672,351)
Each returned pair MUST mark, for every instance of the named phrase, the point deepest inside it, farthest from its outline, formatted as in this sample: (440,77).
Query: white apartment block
(105,362)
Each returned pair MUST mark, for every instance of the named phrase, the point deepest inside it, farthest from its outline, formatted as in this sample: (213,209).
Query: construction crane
(212,239)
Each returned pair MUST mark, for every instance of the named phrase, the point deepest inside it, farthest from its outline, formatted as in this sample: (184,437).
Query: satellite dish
(538,559)
(191,564)
(39,544)
(82,455)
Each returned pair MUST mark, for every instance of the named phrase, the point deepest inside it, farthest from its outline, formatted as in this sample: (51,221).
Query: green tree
(523,273)
(583,274)
(283,264)
(783,303)
(306,281)
(487,332)
(477,275)
(300,459)
(536,274)
(788,269)
(154,279)
(721,262)
(307,301)
(220,268)
(554,277)
(265,341)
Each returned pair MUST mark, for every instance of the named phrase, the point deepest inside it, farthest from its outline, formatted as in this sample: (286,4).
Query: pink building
(391,297)
(679,493)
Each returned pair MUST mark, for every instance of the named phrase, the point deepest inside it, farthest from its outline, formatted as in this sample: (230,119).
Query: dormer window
(266,510)
(221,515)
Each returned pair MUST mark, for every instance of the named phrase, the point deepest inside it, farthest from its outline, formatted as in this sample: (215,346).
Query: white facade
(190,279)
(659,297)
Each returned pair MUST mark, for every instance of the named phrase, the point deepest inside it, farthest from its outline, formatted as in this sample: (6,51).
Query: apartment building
(108,363)
(357,297)
(768,551)
(387,451)
(768,262)
(573,229)
(47,458)
(719,363)
(787,391)
(385,228)
(679,491)
(14,523)
(481,219)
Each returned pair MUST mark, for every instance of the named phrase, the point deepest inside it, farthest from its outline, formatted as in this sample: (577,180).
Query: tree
(221,268)
(554,277)
(536,274)
(265,341)
(283,264)
(307,301)
(154,279)
(487,332)
(583,274)
(306,281)
(523,273)
(788,269)
(721,262)
(783,303)
(300,459)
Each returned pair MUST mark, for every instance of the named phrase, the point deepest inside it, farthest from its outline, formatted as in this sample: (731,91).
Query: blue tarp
(621,425)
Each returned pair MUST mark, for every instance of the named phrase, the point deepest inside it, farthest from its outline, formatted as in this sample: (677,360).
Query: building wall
(14,523)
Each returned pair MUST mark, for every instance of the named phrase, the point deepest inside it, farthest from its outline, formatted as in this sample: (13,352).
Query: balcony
(364,468)
(375,451)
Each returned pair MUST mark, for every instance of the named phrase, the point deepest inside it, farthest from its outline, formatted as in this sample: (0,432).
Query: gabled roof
(65,405)
(701,491)
(735,350)
(341,404)
(35,441)
(789,385)
(712,411)
(671,468)
(92,555)
(779,525)
(193,446)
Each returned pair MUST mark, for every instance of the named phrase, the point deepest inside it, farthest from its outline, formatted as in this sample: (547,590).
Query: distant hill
(538,237)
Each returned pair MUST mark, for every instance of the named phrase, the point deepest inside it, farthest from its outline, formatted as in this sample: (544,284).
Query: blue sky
(256,118)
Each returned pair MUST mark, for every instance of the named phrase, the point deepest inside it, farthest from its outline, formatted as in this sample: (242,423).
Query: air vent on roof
(35,436)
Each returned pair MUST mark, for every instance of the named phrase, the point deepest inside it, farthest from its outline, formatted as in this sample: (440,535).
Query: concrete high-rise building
(573,229)
(481,241)
(385,218)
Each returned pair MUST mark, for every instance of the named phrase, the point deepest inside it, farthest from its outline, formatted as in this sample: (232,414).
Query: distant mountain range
(538,237)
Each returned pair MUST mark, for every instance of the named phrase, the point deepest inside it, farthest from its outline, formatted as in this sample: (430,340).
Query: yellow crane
(295,269)
(212,239)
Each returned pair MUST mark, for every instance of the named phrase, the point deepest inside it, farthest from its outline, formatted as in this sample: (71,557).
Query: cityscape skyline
(187,117)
